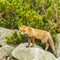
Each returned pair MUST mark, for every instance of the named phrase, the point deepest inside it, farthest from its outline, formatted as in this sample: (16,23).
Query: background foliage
(41,14)
(15,39)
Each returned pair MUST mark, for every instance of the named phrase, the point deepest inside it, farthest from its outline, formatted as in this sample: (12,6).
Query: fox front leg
(33,41)
(29,41)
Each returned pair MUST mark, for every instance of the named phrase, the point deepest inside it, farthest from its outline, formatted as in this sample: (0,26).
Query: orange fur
(58,29)
(33,33)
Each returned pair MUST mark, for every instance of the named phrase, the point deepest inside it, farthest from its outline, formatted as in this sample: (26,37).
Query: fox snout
(21,32)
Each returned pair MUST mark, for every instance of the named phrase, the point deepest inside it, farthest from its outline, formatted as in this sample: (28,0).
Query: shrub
(15,39)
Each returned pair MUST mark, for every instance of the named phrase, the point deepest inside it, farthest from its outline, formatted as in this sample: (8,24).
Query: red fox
(33,33)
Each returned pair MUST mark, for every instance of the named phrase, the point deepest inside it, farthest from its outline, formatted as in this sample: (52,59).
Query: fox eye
(22,30)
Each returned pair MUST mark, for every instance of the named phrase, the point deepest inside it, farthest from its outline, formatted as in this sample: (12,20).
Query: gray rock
(5,51)
(3,33)
(57,46)
(31,53)
(58,58)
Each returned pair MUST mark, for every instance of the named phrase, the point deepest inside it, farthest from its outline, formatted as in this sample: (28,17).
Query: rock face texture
(4,32)
(31,53)
(58,58)
(57,45)
(5,51)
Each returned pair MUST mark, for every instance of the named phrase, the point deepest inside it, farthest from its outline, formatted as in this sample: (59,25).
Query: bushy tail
(51,44)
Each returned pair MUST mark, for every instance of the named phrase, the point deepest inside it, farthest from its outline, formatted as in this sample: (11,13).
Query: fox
(34,33)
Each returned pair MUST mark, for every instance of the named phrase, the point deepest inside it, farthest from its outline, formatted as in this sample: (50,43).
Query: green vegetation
(14,39)
(41,14)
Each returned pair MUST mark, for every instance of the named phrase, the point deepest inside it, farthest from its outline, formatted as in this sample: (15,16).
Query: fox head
(23,30)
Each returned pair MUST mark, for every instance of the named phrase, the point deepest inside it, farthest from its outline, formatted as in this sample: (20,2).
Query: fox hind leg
(47,46)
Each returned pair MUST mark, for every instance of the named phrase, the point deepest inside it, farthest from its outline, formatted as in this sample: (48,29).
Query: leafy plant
(15,39)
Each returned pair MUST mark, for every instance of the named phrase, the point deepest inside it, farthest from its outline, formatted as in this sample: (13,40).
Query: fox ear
(23,26)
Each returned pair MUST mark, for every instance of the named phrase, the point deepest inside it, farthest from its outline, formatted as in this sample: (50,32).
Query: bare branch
(3,19)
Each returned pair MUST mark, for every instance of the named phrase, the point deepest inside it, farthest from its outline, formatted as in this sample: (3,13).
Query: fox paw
(32,46)
(27,46)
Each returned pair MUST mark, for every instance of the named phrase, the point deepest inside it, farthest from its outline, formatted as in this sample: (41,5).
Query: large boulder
(21,52)
(4,32)
(58,58)
(5,51)
(57,46)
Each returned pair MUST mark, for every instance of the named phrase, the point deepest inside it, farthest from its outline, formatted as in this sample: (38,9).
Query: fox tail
(51,44)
